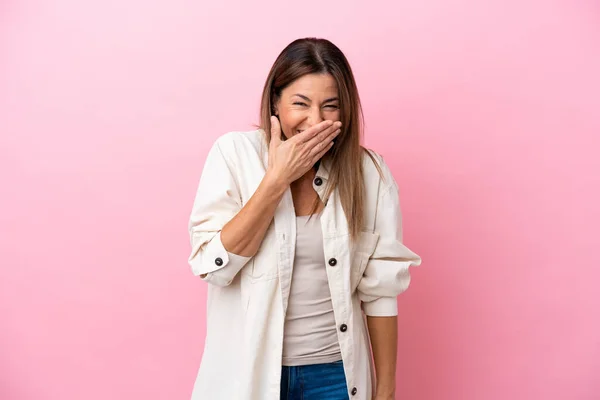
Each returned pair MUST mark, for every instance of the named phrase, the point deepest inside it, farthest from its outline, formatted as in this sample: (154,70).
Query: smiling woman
(309,82)
(297,229)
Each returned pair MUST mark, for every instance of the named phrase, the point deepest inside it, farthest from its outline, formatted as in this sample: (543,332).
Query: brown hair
(310,56)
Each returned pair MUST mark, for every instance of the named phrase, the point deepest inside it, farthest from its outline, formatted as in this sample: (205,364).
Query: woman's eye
(332,107)
(299,104)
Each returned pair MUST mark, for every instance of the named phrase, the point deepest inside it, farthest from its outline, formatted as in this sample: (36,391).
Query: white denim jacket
(248,296)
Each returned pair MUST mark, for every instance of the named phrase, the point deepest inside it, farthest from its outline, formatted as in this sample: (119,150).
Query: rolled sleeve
(387,272)
(217,201)
(215,264)
(381,307)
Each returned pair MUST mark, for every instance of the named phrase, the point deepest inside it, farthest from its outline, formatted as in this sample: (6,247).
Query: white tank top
(310,335)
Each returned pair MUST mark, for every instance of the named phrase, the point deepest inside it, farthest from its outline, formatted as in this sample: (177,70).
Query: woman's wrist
(385,390)
(275,183)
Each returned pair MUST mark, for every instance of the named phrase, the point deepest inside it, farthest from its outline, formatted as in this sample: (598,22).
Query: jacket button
(219,261)
(332,262)
(354,391)
(318,181)
(343,327)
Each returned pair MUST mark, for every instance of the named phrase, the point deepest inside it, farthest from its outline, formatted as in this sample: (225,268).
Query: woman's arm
(384,337)
(244,233)
(288,161)
(224,233)
(385,277)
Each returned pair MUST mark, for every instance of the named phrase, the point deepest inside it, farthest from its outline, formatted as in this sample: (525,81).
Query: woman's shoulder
(374,166)
(370,156)
(376,171)
(237,146)
(240,140)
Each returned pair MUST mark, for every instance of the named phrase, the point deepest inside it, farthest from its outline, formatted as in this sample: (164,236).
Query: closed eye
(299,104)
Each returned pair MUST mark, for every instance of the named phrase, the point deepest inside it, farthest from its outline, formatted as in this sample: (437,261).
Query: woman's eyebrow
(307,99)
(302,96)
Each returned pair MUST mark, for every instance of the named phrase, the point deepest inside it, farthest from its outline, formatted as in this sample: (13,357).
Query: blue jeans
(314,382)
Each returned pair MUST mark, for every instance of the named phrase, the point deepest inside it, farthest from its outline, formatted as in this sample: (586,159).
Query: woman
(297,230)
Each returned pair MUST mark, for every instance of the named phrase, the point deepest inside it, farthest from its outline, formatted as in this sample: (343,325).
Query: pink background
(487,111)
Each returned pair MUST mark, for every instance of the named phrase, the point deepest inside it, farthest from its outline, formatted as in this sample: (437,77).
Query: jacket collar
(323,168)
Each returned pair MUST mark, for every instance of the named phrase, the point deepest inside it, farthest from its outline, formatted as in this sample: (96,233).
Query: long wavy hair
(318,56)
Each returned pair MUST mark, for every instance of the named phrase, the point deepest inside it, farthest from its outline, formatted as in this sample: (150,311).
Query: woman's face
(307,101)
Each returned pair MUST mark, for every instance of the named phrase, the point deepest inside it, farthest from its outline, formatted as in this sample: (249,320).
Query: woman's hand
(290,159)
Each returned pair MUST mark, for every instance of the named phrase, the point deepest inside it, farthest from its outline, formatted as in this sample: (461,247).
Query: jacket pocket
(265,262)
(364,249)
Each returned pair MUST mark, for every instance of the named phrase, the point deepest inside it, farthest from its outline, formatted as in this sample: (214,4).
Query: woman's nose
(315,116)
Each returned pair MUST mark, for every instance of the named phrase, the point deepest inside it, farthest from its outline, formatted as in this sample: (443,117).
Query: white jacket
(248,296)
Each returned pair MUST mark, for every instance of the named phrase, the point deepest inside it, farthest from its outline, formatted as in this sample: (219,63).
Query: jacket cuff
(218,265)
(381,307)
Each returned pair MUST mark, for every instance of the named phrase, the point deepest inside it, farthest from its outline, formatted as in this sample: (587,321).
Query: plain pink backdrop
(487,112)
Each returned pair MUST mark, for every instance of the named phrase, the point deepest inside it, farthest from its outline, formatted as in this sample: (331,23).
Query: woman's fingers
(312,132)
(323,145)
(296,155)
(323,135)
(322,152)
